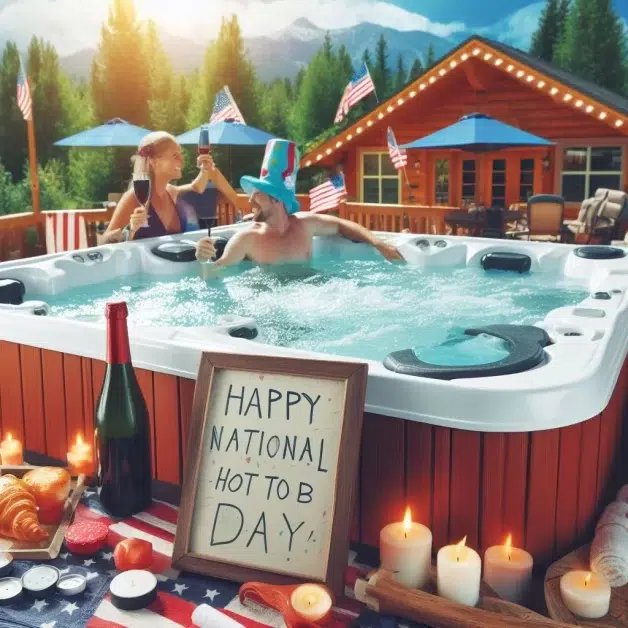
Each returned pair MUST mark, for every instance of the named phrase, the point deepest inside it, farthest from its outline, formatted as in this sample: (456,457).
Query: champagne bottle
(122,426)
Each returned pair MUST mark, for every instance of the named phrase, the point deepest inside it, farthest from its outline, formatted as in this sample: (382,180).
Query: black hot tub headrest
(12,291)
(185,251)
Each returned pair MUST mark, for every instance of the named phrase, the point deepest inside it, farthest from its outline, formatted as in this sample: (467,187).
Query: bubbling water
(356,308)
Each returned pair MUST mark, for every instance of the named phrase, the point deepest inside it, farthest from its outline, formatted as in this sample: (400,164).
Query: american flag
(24,100)
(398,156)
(327,195)
(179,593)
(360,86)
(225,108)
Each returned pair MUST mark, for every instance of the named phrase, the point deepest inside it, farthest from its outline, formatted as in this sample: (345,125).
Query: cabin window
(526,179)
(441,182)
(587,168)
(468,180)
(498,187)
(380,180)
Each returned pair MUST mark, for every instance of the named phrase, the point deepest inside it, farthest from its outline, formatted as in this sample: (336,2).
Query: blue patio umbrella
(228,134)
(116,132)
(478,133)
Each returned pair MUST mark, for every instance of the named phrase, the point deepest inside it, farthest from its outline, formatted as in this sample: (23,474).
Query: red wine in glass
(204,147)
(141,187)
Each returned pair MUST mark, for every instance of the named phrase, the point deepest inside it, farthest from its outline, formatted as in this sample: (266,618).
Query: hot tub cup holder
(526,345)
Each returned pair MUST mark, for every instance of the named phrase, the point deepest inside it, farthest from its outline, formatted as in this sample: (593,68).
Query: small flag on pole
(328,195)
(225,108)
(24,100)
(360,86)
(398,156)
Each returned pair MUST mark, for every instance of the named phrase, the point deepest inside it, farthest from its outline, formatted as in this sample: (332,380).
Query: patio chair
(494,225)
(582,226)
(613,211)
(544,215)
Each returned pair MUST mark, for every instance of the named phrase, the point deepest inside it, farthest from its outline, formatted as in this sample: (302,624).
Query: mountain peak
(303,22)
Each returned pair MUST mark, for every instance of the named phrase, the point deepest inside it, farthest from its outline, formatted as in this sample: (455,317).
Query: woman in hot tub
(160,157)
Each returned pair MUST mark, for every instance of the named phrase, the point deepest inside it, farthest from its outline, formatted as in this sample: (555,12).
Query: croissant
(18,511)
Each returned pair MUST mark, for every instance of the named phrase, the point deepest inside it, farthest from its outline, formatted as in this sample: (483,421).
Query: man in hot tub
(277,235)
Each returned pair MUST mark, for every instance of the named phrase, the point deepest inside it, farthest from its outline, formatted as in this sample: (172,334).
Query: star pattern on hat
(289,181)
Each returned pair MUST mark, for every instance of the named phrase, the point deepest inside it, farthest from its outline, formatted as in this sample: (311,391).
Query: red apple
(133,554)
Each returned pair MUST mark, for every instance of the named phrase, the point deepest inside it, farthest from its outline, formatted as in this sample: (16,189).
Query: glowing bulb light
(328,151)
(603,115)
(359,130)
(529,78)
(422,86)
(589,108)
(578,103)
(476,52)
(308,163)
(319,157)
(510,67)
(441,72)
(554,91)
(349,137)
(389,108)
(432,79)
(412,94)
(567,97)
(452,65)
(338,144)
(619,123)
(464,57)
(541,84)
(498,62)
(400,101)
(520,73)
(487,56)
(380,115)
(369,123)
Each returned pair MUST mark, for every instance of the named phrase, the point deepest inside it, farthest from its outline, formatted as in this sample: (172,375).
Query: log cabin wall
(546,488)
(476,87)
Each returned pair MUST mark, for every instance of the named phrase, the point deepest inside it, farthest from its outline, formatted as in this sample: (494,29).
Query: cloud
(72,25)
(517,29)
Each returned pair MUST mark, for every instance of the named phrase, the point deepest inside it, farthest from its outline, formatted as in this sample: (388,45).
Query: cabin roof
(607,106)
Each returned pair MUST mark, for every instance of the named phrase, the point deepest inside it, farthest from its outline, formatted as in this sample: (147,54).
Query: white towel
(622,496)
(609,550)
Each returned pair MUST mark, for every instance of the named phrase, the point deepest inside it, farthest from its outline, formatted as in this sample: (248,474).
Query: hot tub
(534,450)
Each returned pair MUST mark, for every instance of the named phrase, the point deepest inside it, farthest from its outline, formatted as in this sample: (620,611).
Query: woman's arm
(121,216)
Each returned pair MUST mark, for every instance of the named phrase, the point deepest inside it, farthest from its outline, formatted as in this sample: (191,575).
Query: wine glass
(204,147)
(141,188)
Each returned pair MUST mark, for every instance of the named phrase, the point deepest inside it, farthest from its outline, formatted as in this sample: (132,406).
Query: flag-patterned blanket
(179,593)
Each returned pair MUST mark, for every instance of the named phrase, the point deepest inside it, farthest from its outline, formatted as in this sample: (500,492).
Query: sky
(73,25)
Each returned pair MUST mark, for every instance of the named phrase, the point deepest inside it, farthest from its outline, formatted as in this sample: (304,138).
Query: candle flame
(508,546)
(407,520)
(9,437)
(459,547)
(79,439)
(587,579)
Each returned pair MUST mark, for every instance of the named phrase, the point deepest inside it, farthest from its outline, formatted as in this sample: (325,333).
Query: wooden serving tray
(579,559)
(50,548)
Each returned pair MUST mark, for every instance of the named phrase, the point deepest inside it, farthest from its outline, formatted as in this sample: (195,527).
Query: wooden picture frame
(217,368)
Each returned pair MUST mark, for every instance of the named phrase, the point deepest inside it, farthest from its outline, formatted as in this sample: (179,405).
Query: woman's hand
(205,249)
(205,163)
(389,251)
(111,237)
(139,218)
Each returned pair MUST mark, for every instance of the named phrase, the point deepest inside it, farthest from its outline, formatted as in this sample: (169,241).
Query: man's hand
(205,249)
(389,251)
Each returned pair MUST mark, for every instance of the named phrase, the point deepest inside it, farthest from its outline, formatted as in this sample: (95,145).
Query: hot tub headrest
(526,344)
(181,251)
(12,291)
(506,260)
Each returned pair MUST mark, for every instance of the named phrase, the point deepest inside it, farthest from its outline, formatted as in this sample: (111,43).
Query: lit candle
(508,571)
(585,594)
(11,451)
(80,458)
(406,551)
(311,601)
(458,572)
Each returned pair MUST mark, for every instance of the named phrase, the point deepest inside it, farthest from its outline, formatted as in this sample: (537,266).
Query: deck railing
(22,235)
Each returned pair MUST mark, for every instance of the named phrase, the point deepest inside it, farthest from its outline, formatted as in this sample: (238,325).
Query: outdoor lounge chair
(544,215)
(601,217)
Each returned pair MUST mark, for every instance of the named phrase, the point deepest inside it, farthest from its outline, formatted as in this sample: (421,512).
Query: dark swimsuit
(155,229)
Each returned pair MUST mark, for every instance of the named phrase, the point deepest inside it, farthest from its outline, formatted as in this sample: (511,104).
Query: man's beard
(258,214)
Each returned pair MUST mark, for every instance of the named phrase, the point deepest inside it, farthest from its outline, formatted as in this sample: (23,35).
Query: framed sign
(271,472)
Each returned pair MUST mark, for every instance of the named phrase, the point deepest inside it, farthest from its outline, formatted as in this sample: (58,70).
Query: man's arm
(236,250)
(331,225)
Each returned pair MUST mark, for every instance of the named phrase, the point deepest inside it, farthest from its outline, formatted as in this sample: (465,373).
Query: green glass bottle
(122,426)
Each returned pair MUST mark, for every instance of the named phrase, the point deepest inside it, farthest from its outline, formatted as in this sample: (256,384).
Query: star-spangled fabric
(178,593)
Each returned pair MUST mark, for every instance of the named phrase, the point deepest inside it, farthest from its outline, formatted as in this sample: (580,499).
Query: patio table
(476,221)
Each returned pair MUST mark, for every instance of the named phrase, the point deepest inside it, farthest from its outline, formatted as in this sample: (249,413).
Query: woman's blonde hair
(152,145)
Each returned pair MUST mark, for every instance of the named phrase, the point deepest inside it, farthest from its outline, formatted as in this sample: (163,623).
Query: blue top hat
(279,174)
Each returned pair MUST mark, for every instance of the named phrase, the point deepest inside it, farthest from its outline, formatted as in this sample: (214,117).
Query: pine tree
(345,65)
(430,58)
(120,74)
(548,32)
(400,76)
(593,45)
(381,72)
(275,107)
(366,57)
(416,70)
(13,150)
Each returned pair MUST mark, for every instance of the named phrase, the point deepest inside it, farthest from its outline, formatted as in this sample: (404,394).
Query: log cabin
(587,124)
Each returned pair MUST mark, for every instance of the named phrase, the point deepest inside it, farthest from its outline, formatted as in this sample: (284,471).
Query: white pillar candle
(458,573)
(585,594)
(311,601)
(508,571)
(406,551)
(205,616)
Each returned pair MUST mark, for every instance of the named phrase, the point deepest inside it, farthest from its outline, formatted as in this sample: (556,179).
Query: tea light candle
(458,572)
(585,594)
(80,458)
(406,551)
(311,601)
(72,584)
(133,590)
(10,590)
(508,571)
(11,451)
